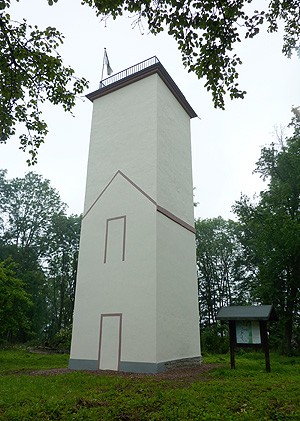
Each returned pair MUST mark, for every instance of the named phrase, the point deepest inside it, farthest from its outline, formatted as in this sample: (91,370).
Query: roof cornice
(156,68)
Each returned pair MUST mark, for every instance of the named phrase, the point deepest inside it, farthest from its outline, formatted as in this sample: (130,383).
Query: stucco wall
(177,313)
(174,164)
(137,266)
(123,137)
(127,287)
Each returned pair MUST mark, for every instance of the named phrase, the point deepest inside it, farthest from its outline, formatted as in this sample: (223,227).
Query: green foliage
(214,340)
(31,72)
(207,32)
(30,271)
(247,393)
(63,337)
(27,206)
(271,232)
(62,262)
(14,302)
(222,273)
(43,242)
(257,260)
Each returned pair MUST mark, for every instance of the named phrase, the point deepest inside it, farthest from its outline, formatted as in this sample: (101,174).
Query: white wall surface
(142,131)
(123,137)
(174,161)
(127,287)
(177,306)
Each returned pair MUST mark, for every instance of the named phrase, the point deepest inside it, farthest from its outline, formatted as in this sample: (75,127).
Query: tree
(221,269)
(27,208)
(44,243)
(206,32)
(272,232)
(14,303)
(31,72)
(62,262)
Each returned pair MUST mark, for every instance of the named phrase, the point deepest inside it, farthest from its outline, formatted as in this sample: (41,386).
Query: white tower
(136,303)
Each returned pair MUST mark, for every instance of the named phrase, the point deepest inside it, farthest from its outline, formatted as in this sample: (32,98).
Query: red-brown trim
(159,208)
(120,336)
(137,187)
(175,219)
(105,188)
(155,68)
(124,236)
(109,183)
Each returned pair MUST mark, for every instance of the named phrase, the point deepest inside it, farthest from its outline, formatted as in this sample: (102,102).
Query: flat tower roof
(137,72)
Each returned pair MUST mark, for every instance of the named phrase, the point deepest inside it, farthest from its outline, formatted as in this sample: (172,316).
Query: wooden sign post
(248,328)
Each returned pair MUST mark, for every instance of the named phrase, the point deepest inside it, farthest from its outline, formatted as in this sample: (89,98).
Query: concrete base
(183,363)
(139,367)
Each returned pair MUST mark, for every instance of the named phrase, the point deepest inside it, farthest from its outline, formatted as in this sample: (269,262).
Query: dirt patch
(184,374)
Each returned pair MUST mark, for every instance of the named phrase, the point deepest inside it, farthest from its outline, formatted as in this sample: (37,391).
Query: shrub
(215,340)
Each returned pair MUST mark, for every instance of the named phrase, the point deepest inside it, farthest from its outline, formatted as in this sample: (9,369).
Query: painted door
(110,342)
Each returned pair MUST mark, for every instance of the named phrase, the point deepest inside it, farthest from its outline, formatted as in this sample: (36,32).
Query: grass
(247,393)
(19,359)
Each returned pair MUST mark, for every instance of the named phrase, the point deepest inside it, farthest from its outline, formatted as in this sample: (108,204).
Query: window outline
(106,236)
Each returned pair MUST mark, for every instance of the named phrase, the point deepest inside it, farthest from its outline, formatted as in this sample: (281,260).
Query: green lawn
(247,393)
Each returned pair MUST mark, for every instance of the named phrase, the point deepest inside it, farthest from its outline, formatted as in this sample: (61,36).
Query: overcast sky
(225,144)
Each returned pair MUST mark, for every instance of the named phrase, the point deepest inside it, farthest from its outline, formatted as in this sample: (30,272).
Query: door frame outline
(120,336)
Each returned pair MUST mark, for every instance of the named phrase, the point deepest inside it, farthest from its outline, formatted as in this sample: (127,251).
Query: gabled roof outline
(159,209)
(109,183)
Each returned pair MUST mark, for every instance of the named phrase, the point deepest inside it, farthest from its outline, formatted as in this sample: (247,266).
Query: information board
(247,332)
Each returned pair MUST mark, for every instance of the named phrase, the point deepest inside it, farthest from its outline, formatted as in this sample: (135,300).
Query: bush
(215,340)
(62,339)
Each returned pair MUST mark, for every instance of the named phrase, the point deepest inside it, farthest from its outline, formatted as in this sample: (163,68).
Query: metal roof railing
(127,72)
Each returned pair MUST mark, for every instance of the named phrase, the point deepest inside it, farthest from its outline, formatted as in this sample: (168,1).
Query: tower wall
(124,137)
(174,162)
(176,292)
(136,295)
